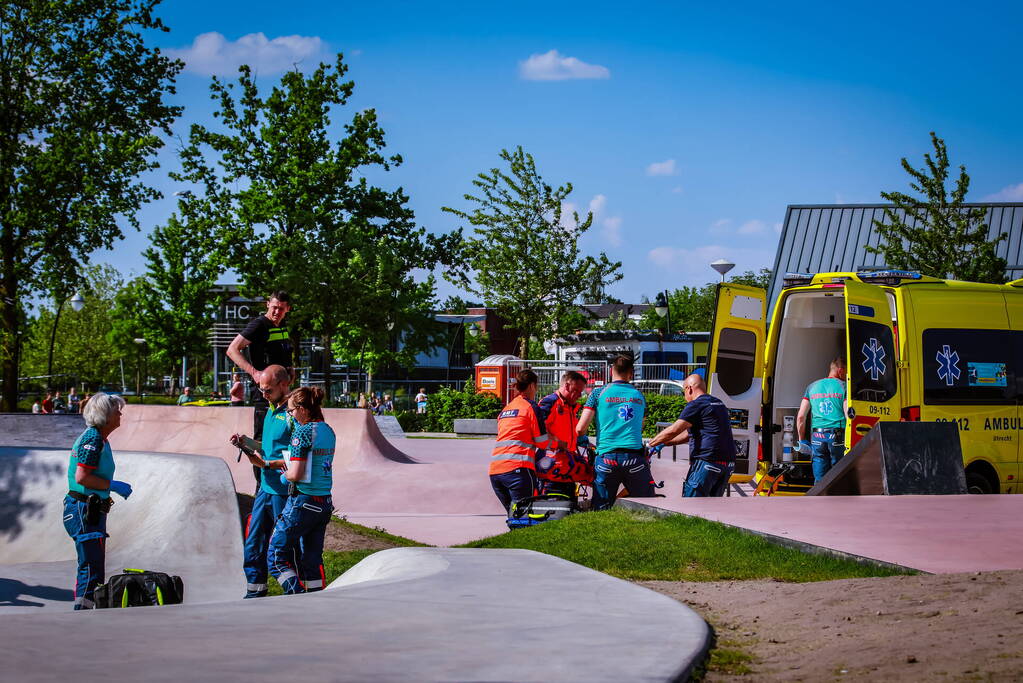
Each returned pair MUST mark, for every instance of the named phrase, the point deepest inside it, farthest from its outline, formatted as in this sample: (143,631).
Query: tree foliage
(83,106)
(171,305)
(934,233)
(293,200)
(84,348)
(523,257)
(692,308)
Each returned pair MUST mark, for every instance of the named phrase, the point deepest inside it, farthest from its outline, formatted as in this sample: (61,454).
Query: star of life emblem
(948,365)
(873,359)
(626,413)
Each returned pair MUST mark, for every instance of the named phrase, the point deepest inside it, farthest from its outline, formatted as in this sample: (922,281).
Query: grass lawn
(639,546)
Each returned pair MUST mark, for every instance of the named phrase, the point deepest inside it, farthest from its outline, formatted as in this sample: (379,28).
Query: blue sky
(687,128)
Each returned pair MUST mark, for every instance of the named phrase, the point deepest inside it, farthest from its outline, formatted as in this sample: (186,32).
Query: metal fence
(670,371)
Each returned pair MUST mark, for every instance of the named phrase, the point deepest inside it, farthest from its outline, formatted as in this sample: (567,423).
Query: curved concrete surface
(407,614)
(182,518)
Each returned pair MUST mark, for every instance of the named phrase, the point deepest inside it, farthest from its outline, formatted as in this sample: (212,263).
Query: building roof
(629,335)
(821,238)
(604,311)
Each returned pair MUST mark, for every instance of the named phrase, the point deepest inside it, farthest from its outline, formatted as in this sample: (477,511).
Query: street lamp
(722,266)
(474,330)
(662,308)
(77,304)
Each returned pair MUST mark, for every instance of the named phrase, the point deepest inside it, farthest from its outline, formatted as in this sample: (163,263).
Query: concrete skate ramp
(898,459)
(407,614)
(446,500)
(182,518)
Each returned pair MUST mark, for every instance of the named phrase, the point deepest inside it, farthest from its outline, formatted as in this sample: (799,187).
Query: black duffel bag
(140,588)
(538,509)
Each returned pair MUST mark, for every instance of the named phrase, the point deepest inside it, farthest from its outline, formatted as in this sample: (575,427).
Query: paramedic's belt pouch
(538,509)
(140,588)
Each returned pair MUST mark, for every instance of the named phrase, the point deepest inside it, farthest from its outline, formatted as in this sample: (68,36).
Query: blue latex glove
(654,450)
(583,441)
(284,479)
(804,448)
(121,488)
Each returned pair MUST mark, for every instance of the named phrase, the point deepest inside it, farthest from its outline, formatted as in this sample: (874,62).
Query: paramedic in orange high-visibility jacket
(562,466)
(520,438)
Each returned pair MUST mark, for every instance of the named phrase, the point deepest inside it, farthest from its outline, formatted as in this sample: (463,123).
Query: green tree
(523,257)
(934,233)
(293,199)
(83,106)
(82,349)
(172,304)
(692,308)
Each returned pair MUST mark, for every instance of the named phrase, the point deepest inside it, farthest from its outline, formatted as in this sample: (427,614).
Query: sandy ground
(950,627)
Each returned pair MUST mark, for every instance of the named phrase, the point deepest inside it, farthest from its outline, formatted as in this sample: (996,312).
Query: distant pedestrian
(73,401)
(362,403)
(237,390)
(48,403)
(58,404)
(185,397)
(388,403)
(705,424)
(37,407)
(421,400)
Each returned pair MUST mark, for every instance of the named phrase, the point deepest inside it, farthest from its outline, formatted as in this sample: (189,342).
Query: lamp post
(722,266)
(662,309)
(77,304)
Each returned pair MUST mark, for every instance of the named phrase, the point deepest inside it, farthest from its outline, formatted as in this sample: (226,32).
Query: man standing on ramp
(618,410)
(269,344)
(705,424)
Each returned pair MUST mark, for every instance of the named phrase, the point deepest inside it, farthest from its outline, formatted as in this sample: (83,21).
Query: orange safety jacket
(520,437)
(562,462)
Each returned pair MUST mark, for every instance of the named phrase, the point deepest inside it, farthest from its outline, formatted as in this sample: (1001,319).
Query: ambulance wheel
(978,483)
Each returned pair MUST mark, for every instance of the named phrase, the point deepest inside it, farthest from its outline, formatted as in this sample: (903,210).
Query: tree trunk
(327,358)
(9,345)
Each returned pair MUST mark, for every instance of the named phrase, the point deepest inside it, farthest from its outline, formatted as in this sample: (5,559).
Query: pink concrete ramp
(432,490)
(936,534)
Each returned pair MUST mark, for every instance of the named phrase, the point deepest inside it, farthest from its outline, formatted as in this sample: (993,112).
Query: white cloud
(553,66)
(753,227)
(691,266)
(777,228)
(677,189)
(662,168)
(613,231)
(598,204)
(211,54)
(1012,193)
(721,226)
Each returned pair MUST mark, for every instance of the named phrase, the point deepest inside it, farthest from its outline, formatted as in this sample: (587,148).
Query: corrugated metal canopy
(818,238)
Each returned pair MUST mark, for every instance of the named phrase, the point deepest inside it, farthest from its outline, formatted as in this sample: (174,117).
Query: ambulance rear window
(966,366)
(736,356)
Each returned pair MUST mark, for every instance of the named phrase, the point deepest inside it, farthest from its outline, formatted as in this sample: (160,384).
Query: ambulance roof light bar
(796,280)
(887,277)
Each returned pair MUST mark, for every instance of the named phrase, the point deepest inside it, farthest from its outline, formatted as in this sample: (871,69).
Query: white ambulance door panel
(735,365)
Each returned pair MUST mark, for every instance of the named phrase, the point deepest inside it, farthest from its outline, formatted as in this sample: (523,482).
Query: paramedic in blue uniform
(824,401)
(90,475)
(303,523)
(272,493)
(705,424)
(618,410)
(268,343)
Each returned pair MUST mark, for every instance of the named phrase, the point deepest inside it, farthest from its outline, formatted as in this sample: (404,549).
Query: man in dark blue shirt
(705,425)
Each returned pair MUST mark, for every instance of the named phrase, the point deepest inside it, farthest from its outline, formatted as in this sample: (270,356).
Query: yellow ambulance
(916,348)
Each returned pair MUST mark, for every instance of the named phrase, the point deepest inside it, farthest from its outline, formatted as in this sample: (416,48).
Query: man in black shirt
(269,344)
(705,425)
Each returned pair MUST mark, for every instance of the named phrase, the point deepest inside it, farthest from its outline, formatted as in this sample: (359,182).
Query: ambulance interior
(812,334)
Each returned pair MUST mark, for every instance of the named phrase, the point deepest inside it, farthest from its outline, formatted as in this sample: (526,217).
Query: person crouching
(521,436)
(303,522)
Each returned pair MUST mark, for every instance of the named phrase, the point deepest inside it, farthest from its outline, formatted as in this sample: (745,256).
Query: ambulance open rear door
(870,360)
(735,365)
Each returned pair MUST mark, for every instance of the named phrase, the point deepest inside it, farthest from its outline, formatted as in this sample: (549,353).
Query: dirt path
(950,627)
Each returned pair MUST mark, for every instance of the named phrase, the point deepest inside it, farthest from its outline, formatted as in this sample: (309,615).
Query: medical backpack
(140,588)
(538,509)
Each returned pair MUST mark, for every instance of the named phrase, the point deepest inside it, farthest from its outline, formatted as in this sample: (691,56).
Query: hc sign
(237,312)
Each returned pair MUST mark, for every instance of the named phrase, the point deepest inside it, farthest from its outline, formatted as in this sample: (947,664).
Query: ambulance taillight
(760,452)
(911,414)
